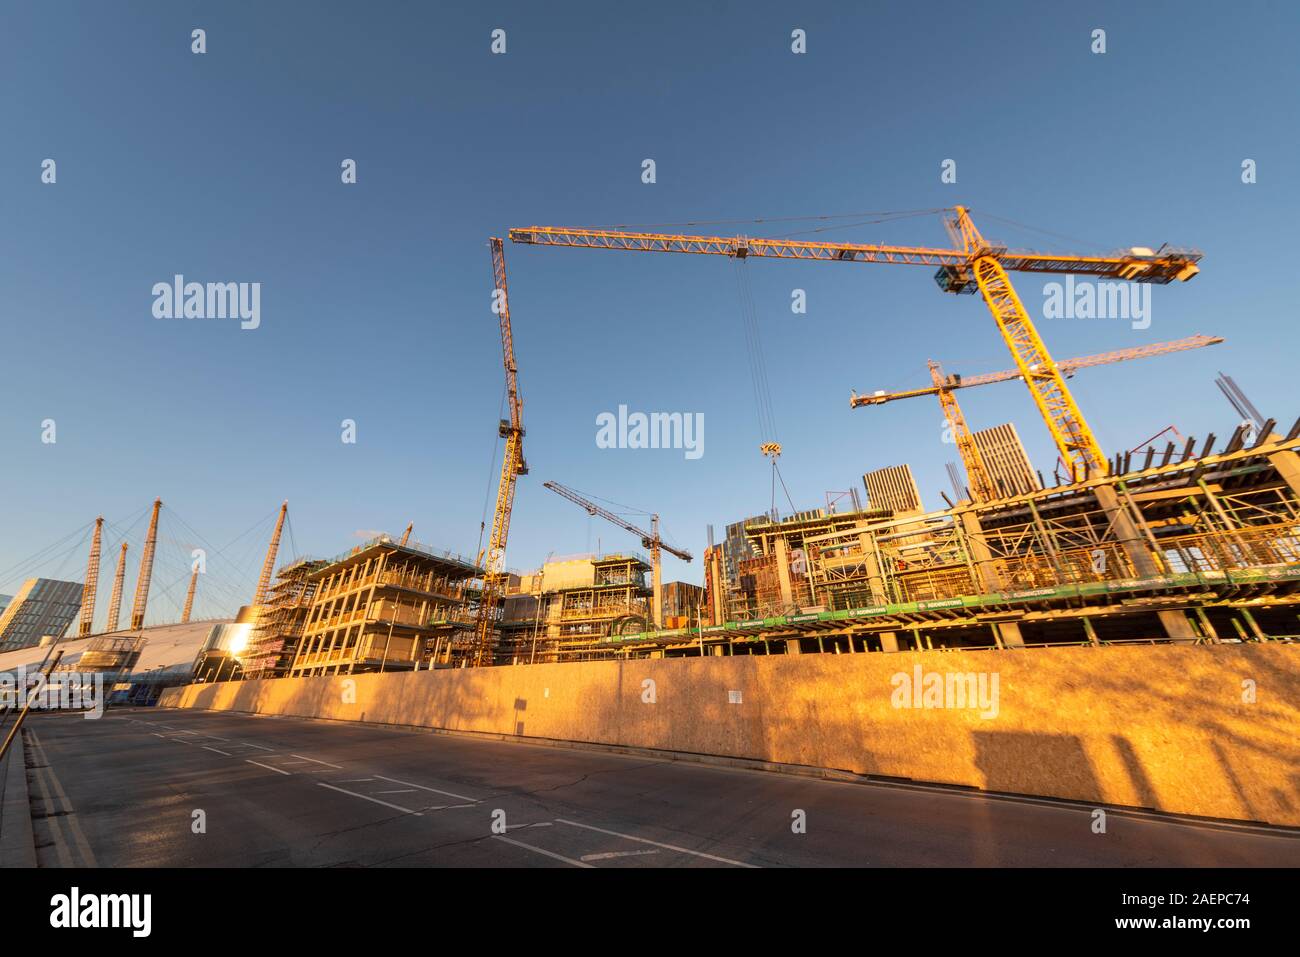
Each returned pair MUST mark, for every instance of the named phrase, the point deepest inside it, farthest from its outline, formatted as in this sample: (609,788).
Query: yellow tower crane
(973,264)
(492,560)
(91,583)
(650,540)
(981,483)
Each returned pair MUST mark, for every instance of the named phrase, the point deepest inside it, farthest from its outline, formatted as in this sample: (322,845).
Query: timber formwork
(381,607)
(1185,548)
(274,643)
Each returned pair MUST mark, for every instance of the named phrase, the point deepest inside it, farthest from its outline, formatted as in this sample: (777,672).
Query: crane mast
(973,265)
(146,570)
(406,535)
(980,480)
(91,583)
(115,600)
(512,466)
(650,540)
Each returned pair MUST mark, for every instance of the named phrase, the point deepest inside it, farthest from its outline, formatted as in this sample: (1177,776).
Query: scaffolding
(381,606)
(274,642)
(1185,547)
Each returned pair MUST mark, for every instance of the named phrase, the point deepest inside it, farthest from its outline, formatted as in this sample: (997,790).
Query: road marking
(670,847)
(267,766)
(447,807)
(326,763)
(536,824)
(459,797)
(366,797)
(70,818)
(539,850)
(355,780)
(258,746)
(398,791)
(608,854)
(218,750)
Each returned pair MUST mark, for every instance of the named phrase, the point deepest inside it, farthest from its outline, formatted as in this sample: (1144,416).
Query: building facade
(43,606)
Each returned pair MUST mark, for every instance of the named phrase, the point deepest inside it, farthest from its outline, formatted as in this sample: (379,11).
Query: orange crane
(512,466)
(981,483)
(91,584)
(115,601)
(972,264)
(146,570)
(650,540)
(268,564)
(406,535)
(189,596)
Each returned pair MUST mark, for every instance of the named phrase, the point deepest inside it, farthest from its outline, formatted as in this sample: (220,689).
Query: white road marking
(267,766)
(366,797)
(670,847)
(537,824)
(608,854)
(258,746)
(218,750)
(539,850)
(398,791)
(326,763)
(458,797)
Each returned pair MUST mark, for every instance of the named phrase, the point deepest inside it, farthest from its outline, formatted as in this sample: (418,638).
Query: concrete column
(792,646)
(985,567)
(1287,464)
(1010,632)
(1175,622)
(888,641)
(717,613)
(783,570)
(875,580)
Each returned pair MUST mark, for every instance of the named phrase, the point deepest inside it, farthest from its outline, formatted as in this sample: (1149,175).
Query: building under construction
(383,606)
(572,604)
(1187,546)
(274,643)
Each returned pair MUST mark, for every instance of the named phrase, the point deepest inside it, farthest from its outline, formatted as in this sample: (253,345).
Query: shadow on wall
(1159,726)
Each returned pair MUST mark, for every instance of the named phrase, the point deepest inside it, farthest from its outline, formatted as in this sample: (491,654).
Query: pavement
(164,788)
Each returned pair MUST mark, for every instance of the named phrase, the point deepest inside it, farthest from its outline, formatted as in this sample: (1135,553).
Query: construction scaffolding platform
(380,606)
(1186,547)
(587,599)
(274,641)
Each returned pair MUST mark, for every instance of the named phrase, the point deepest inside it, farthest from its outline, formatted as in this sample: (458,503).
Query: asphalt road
(132,788)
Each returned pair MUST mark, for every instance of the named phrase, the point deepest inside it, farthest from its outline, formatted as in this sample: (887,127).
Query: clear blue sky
(225,167)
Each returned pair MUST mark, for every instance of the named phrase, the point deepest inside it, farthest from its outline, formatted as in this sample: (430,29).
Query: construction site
(1196,541)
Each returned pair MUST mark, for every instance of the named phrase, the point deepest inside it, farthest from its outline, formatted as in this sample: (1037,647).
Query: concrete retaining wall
(1158,726)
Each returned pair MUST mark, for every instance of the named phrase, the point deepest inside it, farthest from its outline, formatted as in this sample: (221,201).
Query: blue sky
(375,296)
